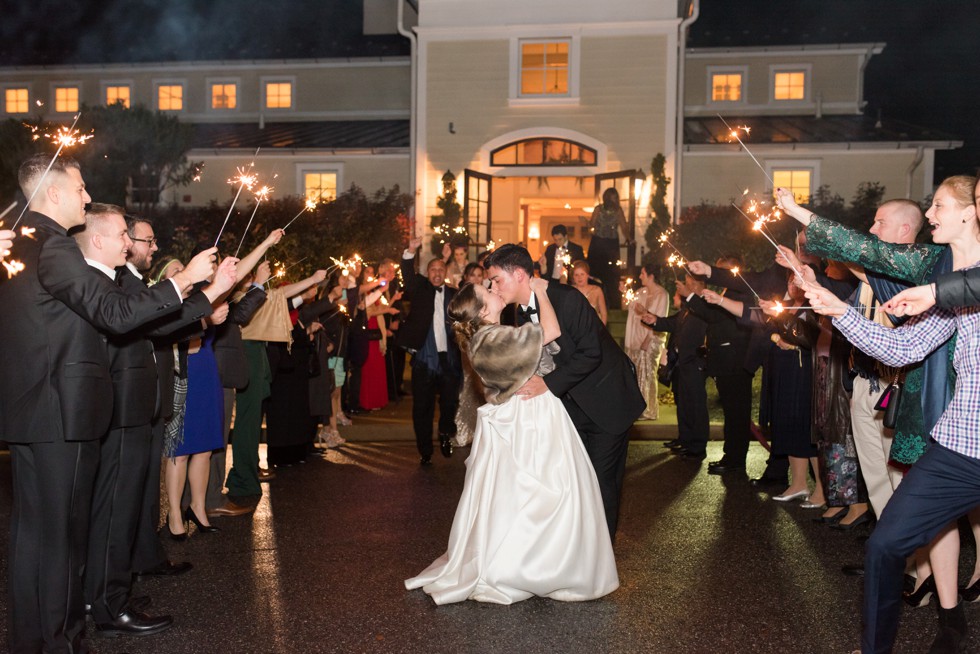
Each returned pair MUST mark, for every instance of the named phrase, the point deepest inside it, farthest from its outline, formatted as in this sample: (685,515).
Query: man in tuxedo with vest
(593,376)
(125,453)
(436,367)
(56,399)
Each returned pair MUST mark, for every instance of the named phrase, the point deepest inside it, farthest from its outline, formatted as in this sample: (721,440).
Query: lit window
(15,101)
(65,99)
(278,95)
(321,187)
(117,94)
(170,97)
(224,96)
(543,152)
(790,86)
(726,87)
(797,181)
(544,68)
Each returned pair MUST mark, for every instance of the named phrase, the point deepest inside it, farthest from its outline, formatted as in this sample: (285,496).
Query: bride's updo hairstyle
(464,311)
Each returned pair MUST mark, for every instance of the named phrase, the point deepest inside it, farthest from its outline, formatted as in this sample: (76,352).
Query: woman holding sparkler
(605,224)
(943,484)
(642,345)
(592,293)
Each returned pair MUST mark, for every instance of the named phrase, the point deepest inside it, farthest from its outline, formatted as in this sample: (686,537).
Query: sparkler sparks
(244,178)
(734,134)
(665,238)
(309,206)
(736,271)
(13,267)
(62,143)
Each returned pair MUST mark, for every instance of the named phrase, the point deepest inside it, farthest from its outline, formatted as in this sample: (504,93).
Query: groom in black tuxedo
(593,377)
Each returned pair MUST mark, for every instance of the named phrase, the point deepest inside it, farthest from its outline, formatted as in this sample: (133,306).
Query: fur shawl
(505,358)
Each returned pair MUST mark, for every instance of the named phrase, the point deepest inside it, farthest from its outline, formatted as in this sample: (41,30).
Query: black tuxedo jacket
(687,335)
(575,252)
(728,342)
(131,363)
(591,369)
(55,384)
(421,294)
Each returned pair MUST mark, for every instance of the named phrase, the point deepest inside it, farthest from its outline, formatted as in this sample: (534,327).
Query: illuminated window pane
(66,99)
(790,86)
(321,187)
(726,87)
(544,68)
(15,101)
(797,181)
(224,96)
(170,97)
(543,152)
(114,94)
(278,95)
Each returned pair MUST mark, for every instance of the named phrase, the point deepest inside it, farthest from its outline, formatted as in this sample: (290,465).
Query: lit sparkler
(734,134)
(665,238)
(244,178)
(13,267)
(735,271)
(260,195)
(63,142)
(309,206)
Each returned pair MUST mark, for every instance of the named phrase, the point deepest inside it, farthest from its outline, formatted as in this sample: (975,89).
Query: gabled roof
(778,130)
(320,135)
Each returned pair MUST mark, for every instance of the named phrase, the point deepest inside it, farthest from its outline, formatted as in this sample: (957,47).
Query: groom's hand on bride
(533,387)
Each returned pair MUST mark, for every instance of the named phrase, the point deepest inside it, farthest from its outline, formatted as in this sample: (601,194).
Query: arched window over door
(543,151)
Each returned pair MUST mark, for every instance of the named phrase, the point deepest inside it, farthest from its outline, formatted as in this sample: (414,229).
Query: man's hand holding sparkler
(198,269)
(262,273)
(6,241)
(225,278)
(823,301)
(699,268)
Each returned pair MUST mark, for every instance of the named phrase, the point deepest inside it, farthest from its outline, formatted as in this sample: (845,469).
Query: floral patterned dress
(916,263)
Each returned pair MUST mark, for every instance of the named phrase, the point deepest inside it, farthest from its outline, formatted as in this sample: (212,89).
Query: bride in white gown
(530,519)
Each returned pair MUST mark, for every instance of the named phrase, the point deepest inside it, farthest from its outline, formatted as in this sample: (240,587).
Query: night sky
(927,74)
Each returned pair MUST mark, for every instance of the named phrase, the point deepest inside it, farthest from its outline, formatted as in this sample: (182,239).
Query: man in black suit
(436,366)
(687,335)
(593,377)
(728,346)
(564,251)
(125,451)
(56,400)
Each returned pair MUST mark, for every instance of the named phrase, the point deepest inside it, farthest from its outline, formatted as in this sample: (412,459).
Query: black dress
(290,428)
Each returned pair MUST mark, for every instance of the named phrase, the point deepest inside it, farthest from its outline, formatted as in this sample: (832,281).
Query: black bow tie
(527,313)
(439,289)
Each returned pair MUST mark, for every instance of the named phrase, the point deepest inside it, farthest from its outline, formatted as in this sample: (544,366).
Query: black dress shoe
(140,602)
(445,446)
(855,570)
(768,482)
(166,569)
(691,455)
(134,623)
(425,460)
(672,443)
(165,530)
(723,467)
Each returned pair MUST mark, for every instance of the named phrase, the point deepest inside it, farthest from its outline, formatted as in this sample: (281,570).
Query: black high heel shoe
(921,597)
(180,538)
(831,520)
(863,519)
(201,527)
(971,593)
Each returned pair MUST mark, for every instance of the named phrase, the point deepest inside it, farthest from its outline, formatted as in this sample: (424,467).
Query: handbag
(889,402)
(665,371)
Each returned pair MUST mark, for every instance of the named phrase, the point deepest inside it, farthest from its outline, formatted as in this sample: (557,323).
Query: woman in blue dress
(188,449)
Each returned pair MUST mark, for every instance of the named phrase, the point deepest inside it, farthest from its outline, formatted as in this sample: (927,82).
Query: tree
(136,155)
(446,222)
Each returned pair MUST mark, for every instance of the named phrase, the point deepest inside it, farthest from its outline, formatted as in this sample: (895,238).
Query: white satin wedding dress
(530,519)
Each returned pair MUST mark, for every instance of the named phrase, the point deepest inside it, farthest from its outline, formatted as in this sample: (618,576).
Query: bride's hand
(533,387)
(539,285)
